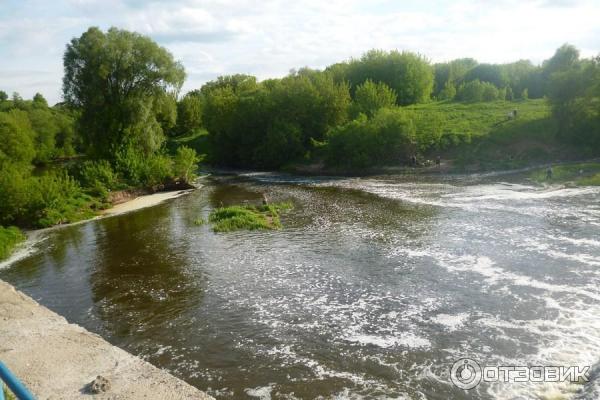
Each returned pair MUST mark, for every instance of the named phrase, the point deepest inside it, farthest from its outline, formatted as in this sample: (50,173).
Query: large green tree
(119,80)
(410,75)
(370,97)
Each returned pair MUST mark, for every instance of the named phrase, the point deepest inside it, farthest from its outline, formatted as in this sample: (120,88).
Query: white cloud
(268,38)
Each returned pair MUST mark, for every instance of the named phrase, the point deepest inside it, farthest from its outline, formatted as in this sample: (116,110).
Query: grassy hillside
(480,136)
(482,119)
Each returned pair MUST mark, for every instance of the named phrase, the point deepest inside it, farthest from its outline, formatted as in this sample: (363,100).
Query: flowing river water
(372,289)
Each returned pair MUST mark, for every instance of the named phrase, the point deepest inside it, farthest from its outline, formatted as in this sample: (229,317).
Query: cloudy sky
(268,38)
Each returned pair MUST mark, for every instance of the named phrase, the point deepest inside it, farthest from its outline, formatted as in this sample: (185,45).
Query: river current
(374,287)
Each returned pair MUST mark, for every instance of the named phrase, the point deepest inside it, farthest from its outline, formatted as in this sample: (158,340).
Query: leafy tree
(117,79)
(44,125)
(184,163)
(451,72)
(370,97)
(388,137)
(509,93)
(16,138)
(239,83)
(565,58)
(475,91)
(574,92)
(39,101)
(492,73)
(490,92)
(448,93)
(283,143)
(189,113)
(3,96)
(410,75)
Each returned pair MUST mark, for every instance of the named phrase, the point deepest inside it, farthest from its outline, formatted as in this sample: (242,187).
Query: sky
(268,38)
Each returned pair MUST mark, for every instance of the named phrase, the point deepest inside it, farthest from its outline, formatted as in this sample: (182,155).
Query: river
(373,289)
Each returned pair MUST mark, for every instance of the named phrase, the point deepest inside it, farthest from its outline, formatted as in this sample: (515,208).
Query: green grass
(248,217)
(9,239)
(479,136)
(482,119)
(197,140)
(583,174)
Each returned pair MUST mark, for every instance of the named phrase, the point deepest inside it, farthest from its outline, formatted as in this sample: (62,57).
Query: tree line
(353,114)
(59,164)
(122,106)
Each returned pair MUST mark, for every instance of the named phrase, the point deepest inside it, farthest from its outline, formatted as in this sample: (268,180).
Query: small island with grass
(247,217)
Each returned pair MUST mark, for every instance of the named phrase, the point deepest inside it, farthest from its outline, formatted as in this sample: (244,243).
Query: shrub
(185,163)
(475,91)
(141,170)
(388,137)
(57,198)
(13,192)
(97,177)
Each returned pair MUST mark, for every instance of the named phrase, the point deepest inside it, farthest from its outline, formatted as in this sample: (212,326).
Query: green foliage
(233,218)
(450,73)
(189,114)
(57,198)
(185,163)
(492,73)
(97,177)
(448,92)
(39,101)
(476,91)
(582,174)
(271,123)
(199,221)
(143,171)
(41,201)
(369,97)
(9,238)
(119,81)
(410,75)
(282,143)
(389,137)
(16,138)
(14,193)
(480,119)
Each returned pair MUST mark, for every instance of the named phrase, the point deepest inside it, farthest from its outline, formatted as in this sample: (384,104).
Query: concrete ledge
(57,360)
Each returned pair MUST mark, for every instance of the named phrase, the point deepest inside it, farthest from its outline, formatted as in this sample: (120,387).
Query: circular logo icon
(465,373)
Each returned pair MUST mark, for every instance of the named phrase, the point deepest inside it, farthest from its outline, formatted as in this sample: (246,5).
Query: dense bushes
(370,97)
(97,177)
(388,137)
(574,93)
(410,75)
(268,124)
(476,91)
(40,201)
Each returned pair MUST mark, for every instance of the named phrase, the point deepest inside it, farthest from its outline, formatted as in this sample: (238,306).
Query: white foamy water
(372,289)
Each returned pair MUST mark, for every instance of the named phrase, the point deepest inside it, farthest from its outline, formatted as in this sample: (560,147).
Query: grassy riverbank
(581,174)
(473,137)
(9,239)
